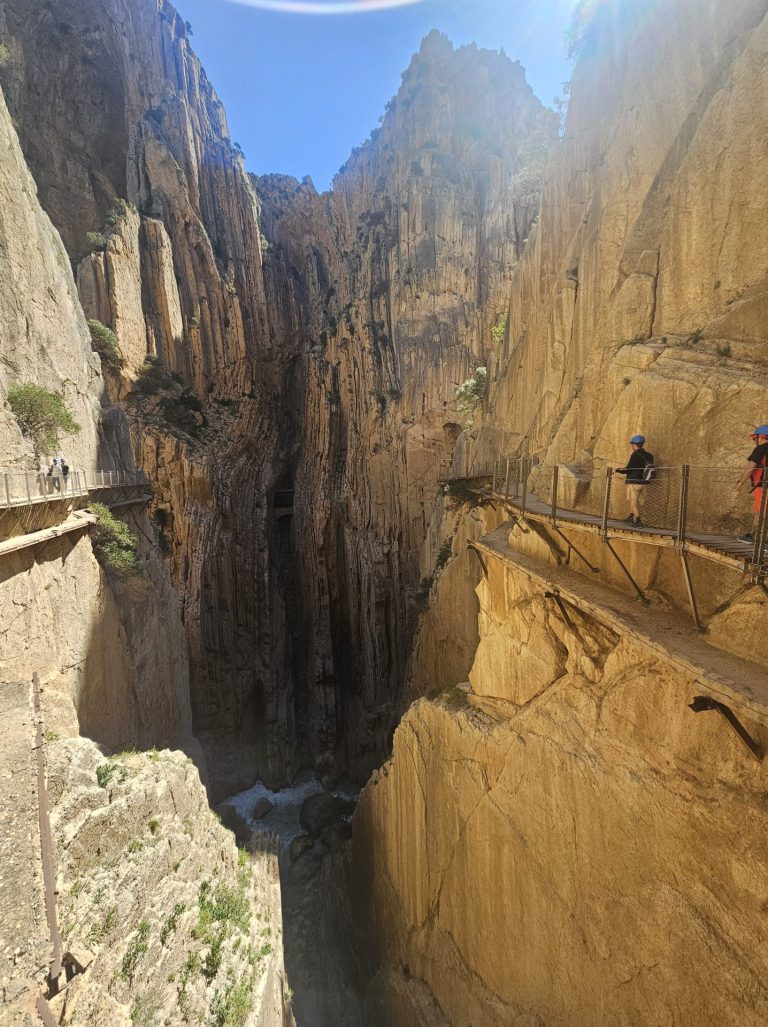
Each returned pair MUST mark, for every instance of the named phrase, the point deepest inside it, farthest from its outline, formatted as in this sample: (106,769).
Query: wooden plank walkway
(722,549)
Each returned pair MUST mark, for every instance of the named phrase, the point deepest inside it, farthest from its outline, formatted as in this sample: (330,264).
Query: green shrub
(104,342)
(723,349)
(114,544)
(231,1007)
(470,393)
(443,554)
(96,242)
(136,949)
(117,211)
(5,54)
(498,330)
(41,415)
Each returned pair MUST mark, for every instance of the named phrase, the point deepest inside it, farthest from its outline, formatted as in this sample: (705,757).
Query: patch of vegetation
(137,947)
(50,736)
(220,911)
(103,929)
(5,54)
(443,554)
(459,493)
(104,773)
(453,697)
(118,210)
(42,416)
(230,1007)
(153,825)
(104,342)
(135,845)
(178,407)
(171,922)
(696,336)
(96,242)
(114,544)
(723,349)
(145,1009)
(471,392)
(498,330)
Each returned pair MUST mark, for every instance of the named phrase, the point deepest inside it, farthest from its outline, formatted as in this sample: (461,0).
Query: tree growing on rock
(42,416)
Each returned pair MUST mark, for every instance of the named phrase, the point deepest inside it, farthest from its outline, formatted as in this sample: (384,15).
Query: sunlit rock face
(400,273)
(558,846)
(328,364)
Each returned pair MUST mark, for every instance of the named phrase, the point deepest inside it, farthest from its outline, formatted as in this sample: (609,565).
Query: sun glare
(327,6)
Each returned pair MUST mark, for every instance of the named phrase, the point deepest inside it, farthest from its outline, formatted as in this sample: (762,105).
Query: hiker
(64,472)
(756,462)
(54,473)
(638,471)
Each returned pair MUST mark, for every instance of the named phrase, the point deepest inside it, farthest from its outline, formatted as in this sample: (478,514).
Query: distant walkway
(30,488)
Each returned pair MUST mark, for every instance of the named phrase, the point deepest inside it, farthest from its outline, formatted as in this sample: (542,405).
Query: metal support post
(701,703)
(682,508)
(757,553)
(578,552)
(555,473)
(607,501)
(495,475)
(7,491)
(506,480)
(26,482)
(524,473)
(640,594)
(689,589)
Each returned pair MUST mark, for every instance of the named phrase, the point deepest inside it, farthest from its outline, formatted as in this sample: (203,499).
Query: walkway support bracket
(595,570)
(691,594)
(640,594)
(702,703)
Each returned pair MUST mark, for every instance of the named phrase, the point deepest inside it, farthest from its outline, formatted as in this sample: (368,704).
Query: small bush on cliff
(470,393)
(114,544)
(5,54)
(117,211)
(96,242)
(104,342)
(42,415)
(498,330)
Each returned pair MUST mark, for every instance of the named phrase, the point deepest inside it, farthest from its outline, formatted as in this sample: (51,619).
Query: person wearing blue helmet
(638,471)
(755,471)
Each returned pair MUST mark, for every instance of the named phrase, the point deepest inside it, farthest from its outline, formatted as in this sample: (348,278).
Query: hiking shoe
(638,522)
(629,520)
(745,538)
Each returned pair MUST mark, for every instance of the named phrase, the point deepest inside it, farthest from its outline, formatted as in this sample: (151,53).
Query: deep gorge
(561,840)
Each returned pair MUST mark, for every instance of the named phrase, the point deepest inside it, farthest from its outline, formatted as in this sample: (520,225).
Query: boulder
(337,835)
(320,811)
(261,807)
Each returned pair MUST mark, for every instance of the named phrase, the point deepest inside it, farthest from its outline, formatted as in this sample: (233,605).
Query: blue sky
(302,90)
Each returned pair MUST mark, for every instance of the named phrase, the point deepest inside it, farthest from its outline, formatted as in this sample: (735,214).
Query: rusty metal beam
(702,703)
(640,594)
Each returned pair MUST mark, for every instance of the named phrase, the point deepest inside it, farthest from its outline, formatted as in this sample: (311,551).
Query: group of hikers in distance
(58,472)
(639,472)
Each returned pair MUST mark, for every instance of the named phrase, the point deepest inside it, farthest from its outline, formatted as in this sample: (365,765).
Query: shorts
(637,491)
(757,499)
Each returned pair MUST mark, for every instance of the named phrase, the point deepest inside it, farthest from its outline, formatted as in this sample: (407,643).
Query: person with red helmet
(755,471)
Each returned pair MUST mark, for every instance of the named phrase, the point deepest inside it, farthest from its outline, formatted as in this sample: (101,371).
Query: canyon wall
(561,840)
(402,271)
(296,343)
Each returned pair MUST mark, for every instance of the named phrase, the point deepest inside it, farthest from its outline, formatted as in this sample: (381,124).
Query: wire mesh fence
(676,500)
(19,488)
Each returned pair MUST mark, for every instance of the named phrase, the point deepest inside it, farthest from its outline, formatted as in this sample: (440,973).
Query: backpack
(649,472)
(64,468)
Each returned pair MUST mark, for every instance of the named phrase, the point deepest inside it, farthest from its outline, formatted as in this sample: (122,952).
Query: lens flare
(327,6)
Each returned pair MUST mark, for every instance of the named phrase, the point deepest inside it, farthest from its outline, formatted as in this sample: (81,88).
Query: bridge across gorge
(694,510)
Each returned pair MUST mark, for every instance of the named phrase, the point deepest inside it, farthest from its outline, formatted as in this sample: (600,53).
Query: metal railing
(25,488)
(681,501)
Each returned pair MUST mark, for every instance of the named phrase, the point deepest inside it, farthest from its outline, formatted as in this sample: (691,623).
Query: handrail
(27,488)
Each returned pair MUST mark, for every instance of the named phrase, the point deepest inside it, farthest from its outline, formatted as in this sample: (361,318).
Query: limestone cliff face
(558,866)
(640,303)
(118,657)
(402,270)
(178,277)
